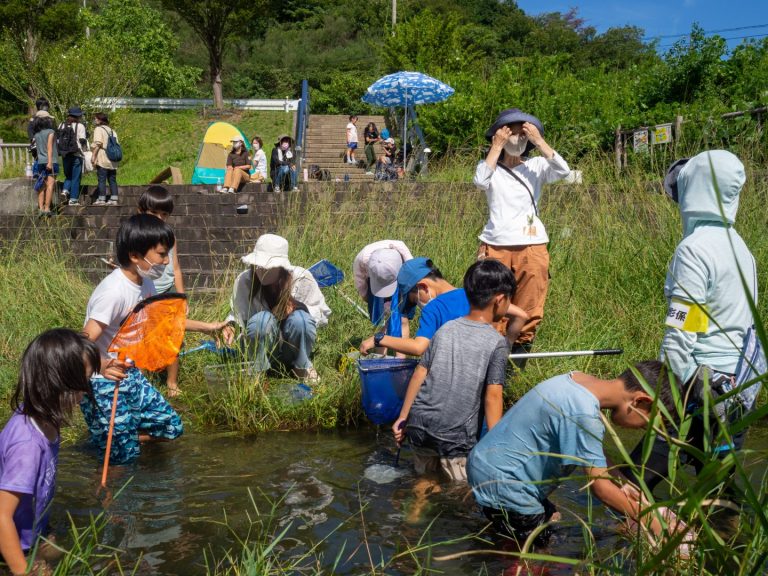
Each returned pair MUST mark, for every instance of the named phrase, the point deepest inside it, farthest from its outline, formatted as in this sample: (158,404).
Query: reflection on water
(180,492)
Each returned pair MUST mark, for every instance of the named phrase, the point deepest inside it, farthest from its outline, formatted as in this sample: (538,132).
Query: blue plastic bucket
(384,382)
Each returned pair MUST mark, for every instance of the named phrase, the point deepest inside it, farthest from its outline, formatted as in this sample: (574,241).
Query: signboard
(662,134)
(640,140)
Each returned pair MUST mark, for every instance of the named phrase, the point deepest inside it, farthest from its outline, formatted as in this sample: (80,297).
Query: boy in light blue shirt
(553,429)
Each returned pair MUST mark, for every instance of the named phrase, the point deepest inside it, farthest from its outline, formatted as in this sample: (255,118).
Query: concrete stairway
(326,143)
(211,234)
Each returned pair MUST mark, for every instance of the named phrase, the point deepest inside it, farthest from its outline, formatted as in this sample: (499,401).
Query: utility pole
(394,15)
(87,29)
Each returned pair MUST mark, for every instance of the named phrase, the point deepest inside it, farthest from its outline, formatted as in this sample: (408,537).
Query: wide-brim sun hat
(383,267)
(237,139)
(511,116)
(271,251)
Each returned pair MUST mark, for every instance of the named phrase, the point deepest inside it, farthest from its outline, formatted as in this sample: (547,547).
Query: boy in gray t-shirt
(460,378)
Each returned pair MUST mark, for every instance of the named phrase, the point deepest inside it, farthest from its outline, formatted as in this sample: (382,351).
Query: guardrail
(302,123)
(14,154)
(285,105)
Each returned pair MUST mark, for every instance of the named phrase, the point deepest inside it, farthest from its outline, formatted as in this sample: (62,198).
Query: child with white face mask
(514,233)
(258,160)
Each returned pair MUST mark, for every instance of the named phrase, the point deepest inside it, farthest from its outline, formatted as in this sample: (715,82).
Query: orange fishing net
(151,335)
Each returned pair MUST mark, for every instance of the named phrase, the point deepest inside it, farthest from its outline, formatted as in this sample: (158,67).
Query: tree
(28,26)
(215,21)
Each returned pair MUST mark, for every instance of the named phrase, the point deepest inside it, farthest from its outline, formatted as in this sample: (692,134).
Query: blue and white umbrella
(404,88)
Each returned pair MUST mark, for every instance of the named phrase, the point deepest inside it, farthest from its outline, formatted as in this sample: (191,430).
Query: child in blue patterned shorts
(143,244)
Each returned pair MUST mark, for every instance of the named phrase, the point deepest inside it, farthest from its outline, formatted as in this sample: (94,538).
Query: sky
(665,18)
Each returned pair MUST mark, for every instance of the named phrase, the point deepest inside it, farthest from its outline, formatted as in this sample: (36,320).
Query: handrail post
(302,122)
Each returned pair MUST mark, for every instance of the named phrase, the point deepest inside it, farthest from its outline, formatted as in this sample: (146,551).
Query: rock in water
(382,473)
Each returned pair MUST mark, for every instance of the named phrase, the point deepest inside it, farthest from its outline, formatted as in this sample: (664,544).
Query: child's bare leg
(172,379)
(422,489)
(49,183)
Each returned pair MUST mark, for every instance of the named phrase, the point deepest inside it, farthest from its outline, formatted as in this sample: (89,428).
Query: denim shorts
(352,145)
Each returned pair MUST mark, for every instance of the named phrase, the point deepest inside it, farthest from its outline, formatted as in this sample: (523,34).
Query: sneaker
(295,189)
(369,173)
(112,202)
(100,202)
(308,375)
(64,195)
(276,190)
(73,202)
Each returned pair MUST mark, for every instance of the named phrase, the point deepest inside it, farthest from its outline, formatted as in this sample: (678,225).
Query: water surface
(181,492)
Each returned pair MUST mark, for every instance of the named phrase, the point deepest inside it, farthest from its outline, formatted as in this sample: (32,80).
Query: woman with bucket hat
(278,307)
(72,143)
(514,233)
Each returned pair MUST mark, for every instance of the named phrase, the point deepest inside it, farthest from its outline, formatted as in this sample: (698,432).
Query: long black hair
(55,366)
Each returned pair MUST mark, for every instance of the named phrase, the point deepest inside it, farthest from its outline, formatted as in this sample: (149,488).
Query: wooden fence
(623,137)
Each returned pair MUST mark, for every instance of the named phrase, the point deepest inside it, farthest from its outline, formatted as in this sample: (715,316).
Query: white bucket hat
(383,267)
(271,251)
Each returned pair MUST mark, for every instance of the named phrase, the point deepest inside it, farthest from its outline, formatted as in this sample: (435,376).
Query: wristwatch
(377,338)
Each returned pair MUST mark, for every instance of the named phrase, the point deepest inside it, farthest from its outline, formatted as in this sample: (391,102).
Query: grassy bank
(154,140)
(610,244)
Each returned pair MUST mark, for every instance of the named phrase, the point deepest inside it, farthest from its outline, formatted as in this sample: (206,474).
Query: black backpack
(67,140)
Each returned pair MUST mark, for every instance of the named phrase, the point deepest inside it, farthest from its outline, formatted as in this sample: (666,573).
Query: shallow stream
(326,485)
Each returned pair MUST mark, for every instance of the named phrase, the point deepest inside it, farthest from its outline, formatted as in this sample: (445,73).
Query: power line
(708,32)
(730,38)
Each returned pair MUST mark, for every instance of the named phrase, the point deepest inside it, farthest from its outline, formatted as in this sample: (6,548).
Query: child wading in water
(55,372)
(458,382)
(157,201)
(143,245)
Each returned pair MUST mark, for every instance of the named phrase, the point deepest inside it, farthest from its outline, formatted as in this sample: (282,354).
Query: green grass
(152,141)
(610,245)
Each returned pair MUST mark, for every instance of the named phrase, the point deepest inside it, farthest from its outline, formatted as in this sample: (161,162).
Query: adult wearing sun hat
(238,167)
(514,234)
(375,269)
(278,307)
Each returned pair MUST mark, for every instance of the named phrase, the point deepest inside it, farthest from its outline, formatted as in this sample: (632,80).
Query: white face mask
(237,145)
(516,144)
(421,304)
(285,146)
(155,270)
(267,277)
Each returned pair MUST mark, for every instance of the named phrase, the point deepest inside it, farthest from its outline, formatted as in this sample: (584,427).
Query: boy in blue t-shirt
(553,429)
(420,283)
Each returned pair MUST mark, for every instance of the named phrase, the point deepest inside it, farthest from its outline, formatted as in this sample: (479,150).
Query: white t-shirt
(351,133)
(112,300)
(513,220)
(259,162)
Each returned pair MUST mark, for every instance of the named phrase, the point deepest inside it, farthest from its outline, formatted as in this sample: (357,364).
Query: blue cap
(410,273)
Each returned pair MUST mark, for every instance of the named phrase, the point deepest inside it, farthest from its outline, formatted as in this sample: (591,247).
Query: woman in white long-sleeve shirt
(514,233)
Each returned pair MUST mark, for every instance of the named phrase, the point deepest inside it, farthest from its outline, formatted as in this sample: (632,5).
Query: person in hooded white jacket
(708,313)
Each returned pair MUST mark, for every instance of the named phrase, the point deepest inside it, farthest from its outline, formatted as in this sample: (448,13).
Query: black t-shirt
(370,134)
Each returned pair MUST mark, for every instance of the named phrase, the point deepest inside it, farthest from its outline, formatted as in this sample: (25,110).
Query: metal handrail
(284,105)
(302,124)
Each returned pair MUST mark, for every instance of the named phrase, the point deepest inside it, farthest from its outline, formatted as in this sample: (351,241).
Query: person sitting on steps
(238,168)
(282,165)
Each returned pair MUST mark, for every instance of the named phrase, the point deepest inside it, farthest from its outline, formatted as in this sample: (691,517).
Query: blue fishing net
(326,274)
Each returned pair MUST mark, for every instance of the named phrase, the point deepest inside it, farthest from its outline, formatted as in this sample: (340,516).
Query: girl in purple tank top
(55,373)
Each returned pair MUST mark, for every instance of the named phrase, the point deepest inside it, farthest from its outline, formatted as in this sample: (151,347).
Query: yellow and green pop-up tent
(212,158)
